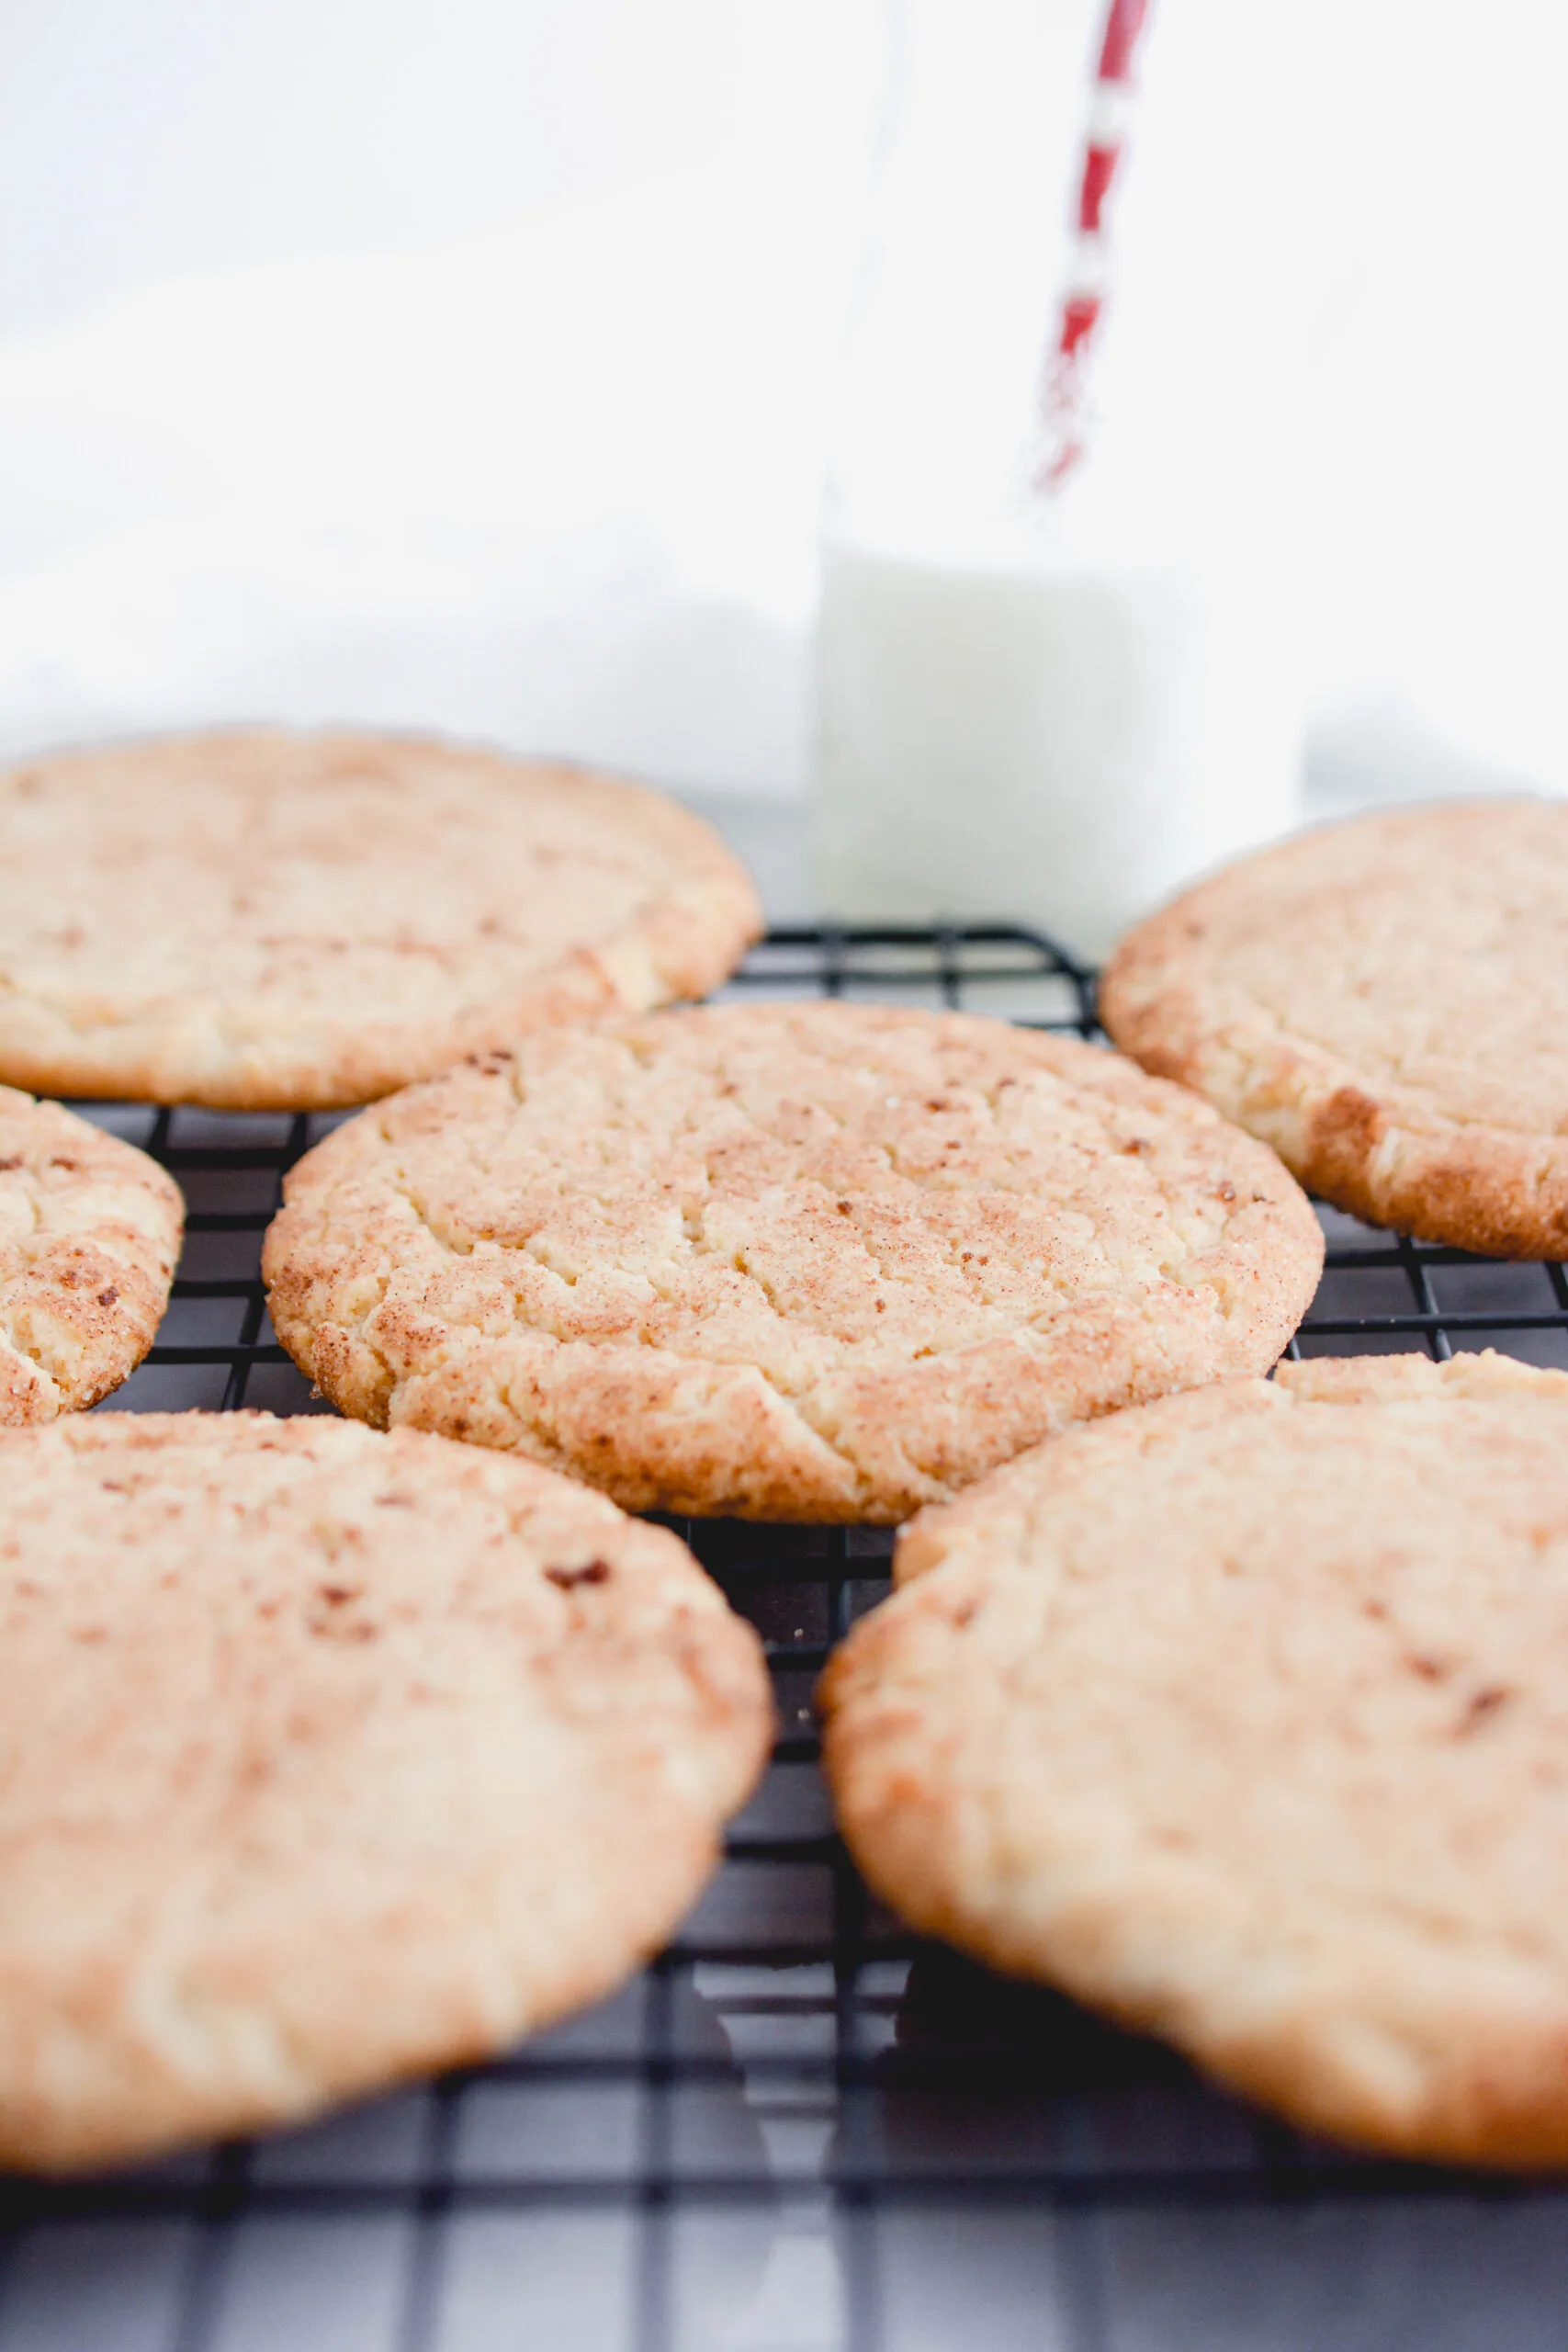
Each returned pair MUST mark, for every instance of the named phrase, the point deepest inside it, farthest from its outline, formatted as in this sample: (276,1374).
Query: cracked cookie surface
(330,1757)
(89,1234)
(785,1261)
(1245,1717)
(1385,1001)
(273,920)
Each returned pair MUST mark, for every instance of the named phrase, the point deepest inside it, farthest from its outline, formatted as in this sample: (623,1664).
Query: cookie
(1386,1002)
(331,1758)
(1243,1716)
(785,1261)
(272,920)
(89,1234)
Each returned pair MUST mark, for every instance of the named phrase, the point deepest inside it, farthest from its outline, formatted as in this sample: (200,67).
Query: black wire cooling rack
(800,2130)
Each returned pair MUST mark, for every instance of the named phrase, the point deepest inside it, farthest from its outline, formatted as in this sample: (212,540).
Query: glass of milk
(1051,706)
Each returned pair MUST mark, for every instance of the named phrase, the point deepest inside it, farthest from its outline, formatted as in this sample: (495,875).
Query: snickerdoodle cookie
(89,1233)
(1386,1002)
(819,1261)
(330,1758)
(279,921)
(1245,1717)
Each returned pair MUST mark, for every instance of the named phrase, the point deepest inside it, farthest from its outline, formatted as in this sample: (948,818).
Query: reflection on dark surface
(1012,2088)
(1028,2176)
(956,2014)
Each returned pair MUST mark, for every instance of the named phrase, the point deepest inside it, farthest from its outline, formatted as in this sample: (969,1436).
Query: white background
(465,362)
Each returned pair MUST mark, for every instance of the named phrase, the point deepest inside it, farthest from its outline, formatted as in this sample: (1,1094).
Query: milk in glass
(1021,733)
(1036,701)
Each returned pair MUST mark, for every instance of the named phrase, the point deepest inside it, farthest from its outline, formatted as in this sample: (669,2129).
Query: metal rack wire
(800,2130)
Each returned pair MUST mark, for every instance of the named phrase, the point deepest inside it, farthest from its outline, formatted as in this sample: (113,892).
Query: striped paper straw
(1061,390)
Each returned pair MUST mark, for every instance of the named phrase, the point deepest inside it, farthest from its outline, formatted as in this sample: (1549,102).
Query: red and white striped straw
(1061,390)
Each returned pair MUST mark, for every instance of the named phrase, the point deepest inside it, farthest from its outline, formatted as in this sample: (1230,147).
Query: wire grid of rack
(800,2130)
